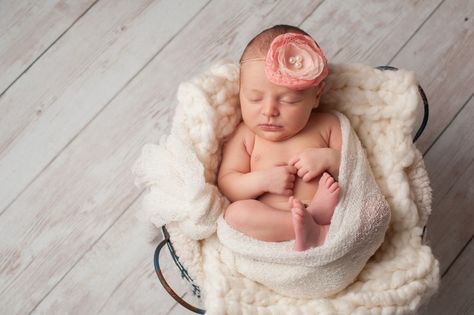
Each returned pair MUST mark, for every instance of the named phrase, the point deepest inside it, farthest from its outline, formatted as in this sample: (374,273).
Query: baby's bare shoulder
(243,132)
(329,127)
(242,136)
(324,119)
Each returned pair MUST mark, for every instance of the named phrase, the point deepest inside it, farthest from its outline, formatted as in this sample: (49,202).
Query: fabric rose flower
(296,61)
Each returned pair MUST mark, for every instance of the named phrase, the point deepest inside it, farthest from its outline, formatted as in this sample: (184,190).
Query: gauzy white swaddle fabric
(357,229)
(180,173)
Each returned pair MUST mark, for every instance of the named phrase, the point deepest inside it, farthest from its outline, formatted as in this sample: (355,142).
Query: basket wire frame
(184,273)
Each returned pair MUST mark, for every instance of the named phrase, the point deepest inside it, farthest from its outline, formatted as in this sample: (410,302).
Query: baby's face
(273,112)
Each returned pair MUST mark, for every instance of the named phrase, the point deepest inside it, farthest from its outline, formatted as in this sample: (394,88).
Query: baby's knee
(236,213)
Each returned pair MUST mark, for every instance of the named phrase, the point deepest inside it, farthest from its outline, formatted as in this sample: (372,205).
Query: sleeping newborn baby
(280,166)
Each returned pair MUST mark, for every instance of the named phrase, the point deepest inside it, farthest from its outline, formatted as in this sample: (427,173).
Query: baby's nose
(270,108)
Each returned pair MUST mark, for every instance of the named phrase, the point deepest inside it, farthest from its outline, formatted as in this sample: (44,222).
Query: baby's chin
(273,136)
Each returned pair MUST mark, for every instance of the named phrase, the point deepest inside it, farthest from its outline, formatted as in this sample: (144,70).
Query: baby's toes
(335,193)
(300,212)
(297,204)
(297,213)
(329,181)
(324,177)
(333,187)
(290,200)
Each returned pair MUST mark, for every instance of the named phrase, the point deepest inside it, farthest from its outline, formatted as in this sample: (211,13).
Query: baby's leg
(257,220)
(307,232)
(325,200)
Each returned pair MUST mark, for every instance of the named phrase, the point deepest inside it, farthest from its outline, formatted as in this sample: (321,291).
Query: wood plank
(16,254)
(456,294)
(451,168)
(28,28)
(75,190)
(117,268)
(60,94)
(441,55)
(369,32)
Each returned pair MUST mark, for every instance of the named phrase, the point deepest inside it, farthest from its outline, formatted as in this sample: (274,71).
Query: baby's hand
(313,162)
(280,179)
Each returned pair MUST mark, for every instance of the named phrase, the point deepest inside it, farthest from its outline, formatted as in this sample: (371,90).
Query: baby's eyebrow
(293,93)
(252,91)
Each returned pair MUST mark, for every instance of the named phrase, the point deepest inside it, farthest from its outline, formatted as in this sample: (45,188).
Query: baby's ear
(319,92)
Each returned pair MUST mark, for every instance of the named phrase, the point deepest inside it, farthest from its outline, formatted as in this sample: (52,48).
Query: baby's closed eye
(291,100)
(294,97)
(254,98)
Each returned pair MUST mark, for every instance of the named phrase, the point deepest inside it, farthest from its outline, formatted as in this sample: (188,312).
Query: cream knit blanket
(180,176)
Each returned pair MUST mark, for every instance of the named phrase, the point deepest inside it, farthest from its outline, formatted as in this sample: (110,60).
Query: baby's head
(282,69)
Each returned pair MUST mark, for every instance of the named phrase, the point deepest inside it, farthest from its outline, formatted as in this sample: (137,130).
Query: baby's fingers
(309,176)
(293,160)
(289,185)
(302,172)
(291,178)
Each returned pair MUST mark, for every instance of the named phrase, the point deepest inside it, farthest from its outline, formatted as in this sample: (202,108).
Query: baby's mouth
(270,127)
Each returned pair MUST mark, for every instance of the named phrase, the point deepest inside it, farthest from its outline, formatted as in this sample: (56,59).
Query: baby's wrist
(333,161)
(262,181)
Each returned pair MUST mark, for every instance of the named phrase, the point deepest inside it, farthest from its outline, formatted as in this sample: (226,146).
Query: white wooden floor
(84,84)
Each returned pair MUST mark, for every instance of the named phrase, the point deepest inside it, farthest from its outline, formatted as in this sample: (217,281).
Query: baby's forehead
(254,86)
(252,70)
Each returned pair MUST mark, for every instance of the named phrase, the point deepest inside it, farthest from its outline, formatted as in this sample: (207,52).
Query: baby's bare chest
(267,154)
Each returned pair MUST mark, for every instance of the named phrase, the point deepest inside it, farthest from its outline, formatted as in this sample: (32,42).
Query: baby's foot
(325,200)
(307,232)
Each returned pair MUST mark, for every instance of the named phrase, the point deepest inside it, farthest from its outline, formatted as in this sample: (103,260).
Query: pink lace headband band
(295,61)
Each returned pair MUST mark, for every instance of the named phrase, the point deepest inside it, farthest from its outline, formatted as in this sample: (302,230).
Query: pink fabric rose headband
(295,61)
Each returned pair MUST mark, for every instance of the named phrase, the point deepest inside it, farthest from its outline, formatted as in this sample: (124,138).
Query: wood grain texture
(451,168)
(372,33)
(28,28)
(114,275)
(441,55)
(60,215)
(369,32)
(456,295)
(76,79)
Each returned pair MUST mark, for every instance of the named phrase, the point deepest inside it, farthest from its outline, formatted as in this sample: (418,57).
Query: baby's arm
(314,161)
(335,143)
(335,134)
(235,179)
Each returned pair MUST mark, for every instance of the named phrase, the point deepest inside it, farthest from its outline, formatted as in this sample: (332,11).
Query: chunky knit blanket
(180,176)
